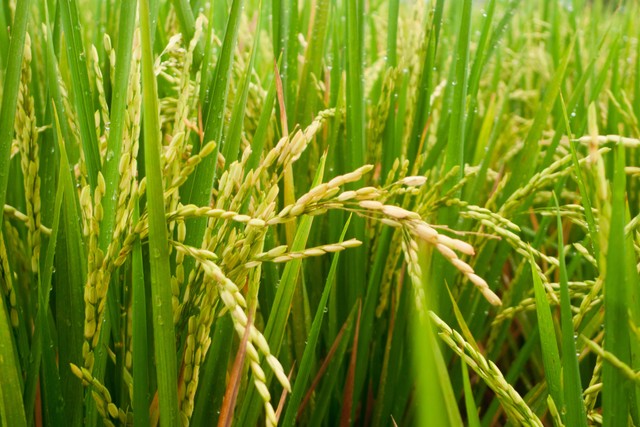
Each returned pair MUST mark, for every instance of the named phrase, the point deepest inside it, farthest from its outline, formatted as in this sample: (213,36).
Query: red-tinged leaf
(323,368)
(235,379)
(347,408)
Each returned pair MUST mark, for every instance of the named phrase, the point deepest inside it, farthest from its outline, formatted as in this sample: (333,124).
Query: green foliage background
(181,178)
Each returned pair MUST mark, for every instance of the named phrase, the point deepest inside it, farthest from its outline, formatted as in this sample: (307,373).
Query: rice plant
(319,212)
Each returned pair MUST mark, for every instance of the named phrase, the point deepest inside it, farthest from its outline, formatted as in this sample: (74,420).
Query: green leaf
(140,352)
(548,340)
(309,353)
(161,305)
(10,93)
(434,389)
(456,140)
(12,405)
(331,374)
(575,409)
(71,260)
(312,63)
(355,88)
(188,24)
(473,420)
(231,144)
(615,387)
(259,137)
(51,386)
(584,194)
(525,166)
(77,57)
(118,111)
(213,374)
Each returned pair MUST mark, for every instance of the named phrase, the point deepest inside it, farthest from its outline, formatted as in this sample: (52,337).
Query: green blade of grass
(574,102)
(615,388)
(575,409)
(291,53)
(433,383)
(425,88)
(525,166)
(613,114)
(355,156)
(355,90)
(50,379)
(118,111)
(390,147)
(54,90)
(633,296)
(83,97)
(10,93)
(486,47)
(391,383)
(280,25)
(312,62)
(4,39)
(260,136)
(163,331)
(331,372)
(50,383)
(346,412)
(636,89)
(188,24)
(12,404)
(473,420)
(437,404)
(216,19)
(214,373)
(584,199)
(548,340)
(231,144)
(235,378)
(70,263)
(304,370)
(455,146)
(466,333)
(140,353)
(337,98)
(370,301)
